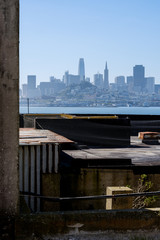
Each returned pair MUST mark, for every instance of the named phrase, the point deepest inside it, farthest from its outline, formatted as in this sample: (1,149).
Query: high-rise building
(157,88)
(81,69)
(130,83)
(24,90)
(139,77)
(98,80)
(120,80)
(65,78)
(150,85)
(56,84)
(32,91)
(70,79)
(31,81)
(106,80)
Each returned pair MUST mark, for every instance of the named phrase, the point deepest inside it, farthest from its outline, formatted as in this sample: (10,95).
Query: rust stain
(33,136)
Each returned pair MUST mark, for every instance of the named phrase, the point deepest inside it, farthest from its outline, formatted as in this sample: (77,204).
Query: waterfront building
(106,79)
(81,69)
(98,80)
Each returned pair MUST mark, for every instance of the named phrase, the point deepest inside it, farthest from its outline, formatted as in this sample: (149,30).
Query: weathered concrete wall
(90,182)
(50,187)
(79,223)
(9,104)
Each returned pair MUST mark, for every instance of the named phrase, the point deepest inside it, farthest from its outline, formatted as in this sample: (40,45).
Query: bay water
(92,110)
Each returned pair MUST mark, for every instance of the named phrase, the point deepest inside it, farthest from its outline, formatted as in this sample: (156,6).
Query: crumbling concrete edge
(82,222)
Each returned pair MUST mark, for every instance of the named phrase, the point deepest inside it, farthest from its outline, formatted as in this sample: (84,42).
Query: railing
(59,199)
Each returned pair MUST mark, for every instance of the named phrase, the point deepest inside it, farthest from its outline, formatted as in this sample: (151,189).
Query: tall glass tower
(81,69)
(106,80)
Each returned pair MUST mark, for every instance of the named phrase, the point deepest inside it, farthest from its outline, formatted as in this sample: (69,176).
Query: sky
(54,34)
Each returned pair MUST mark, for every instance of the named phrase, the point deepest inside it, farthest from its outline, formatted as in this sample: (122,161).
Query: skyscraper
(31,82)
(32,91)
(81,69)
(106,80)
(139,77)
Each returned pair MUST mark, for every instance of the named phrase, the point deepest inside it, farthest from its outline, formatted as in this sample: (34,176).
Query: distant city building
(106,78)
(130,83)
(70,79)
(87,79)
(45,89)
(130,80)
(139,78)
(157,88)
(56,84)
(113,87)
(32,91)
(150,84)
(120,80)
(98,80)
(20,92)
(24,90)
(31,82)
(50,89)
(81,69)
(73,79)
(65,78)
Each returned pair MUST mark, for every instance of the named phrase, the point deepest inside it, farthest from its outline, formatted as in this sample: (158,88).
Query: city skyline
(123,32)
(137,73)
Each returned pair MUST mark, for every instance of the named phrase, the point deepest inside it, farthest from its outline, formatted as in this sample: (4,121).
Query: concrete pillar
(119,203)
(9,105)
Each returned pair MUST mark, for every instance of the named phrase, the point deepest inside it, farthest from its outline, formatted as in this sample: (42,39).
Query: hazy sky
(54,34)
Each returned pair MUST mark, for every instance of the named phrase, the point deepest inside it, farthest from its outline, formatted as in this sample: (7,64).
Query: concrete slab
(139,153)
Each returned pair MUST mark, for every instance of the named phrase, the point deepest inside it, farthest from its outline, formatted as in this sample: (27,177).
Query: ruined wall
(9,107)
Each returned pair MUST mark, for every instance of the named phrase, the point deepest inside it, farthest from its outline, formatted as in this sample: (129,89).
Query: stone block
(119,203)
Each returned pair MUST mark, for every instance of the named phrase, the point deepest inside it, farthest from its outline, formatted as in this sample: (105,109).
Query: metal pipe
(56,199)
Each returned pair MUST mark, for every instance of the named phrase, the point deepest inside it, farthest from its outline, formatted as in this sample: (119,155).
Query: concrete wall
(9,104)
(90,182)
(79,224)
